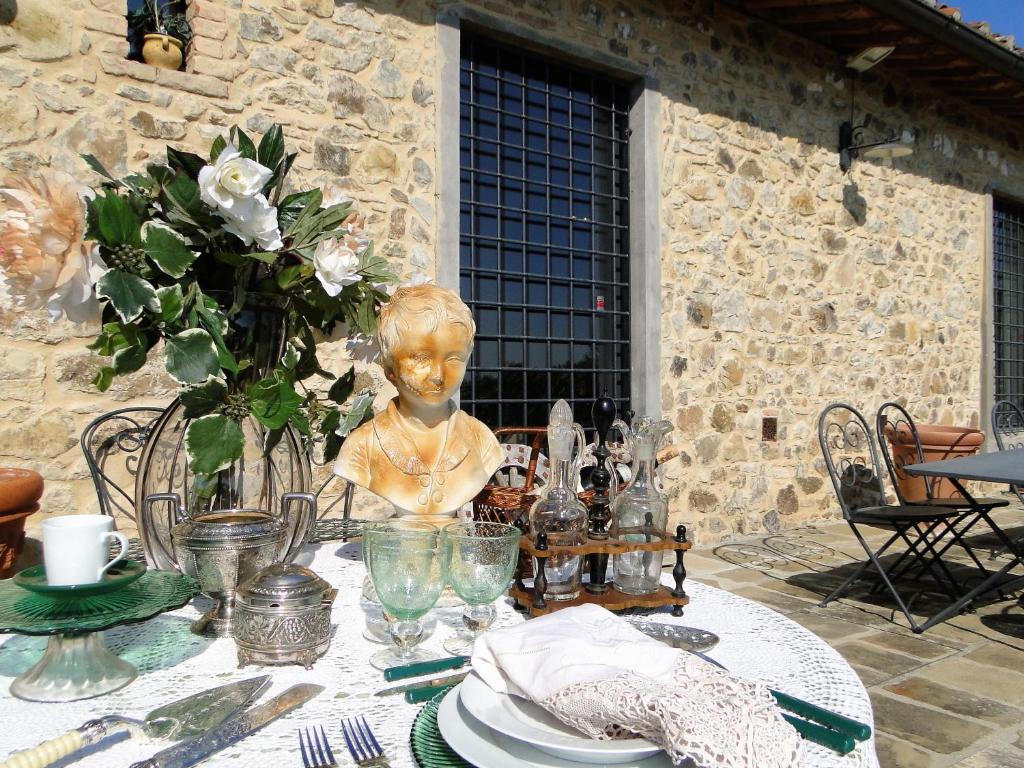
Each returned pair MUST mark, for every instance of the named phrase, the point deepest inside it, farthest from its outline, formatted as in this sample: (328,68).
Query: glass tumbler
(483,560)
(408,565)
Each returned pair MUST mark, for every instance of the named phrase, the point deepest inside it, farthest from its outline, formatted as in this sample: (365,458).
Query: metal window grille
(544,234)
(1008,300)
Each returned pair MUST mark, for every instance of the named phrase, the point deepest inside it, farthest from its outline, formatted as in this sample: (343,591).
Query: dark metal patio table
(1002,467)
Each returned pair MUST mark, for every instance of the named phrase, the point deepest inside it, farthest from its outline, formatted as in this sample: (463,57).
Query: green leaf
(130,359)
(97,166)
(168,249)
(213,442)
(191,356)
(309,211)
(341,390)
(117,221)
(171,302)
(361,410)
(244,143)
(188,162)
(104,378)
(270,439)
(267,257)
(129,294)
(200,400)
(218,146)
(183,195)
(291,356)
(271,150)
(301,423)
(291,274)
(274,402)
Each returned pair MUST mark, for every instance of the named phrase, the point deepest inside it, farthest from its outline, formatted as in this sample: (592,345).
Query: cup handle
(120,555)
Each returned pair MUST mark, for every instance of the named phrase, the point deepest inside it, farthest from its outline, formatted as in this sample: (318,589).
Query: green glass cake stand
(76,664)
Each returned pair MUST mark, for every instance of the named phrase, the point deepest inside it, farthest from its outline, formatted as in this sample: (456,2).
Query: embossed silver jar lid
(284,586)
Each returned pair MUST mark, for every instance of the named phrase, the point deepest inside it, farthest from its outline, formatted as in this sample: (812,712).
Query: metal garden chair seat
(851,457)
(895,417)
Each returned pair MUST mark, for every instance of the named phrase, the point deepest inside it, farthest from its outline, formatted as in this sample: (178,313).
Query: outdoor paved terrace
(953,696)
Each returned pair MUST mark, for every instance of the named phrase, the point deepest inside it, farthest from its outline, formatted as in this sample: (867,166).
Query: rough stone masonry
(785,284)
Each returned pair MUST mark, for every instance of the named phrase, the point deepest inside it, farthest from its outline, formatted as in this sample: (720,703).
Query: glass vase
(640,511)
(256,480)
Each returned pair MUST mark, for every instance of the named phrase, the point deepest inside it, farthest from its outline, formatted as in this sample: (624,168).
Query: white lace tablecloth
(172,663)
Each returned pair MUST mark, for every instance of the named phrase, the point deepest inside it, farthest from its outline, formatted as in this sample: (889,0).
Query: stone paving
(953,696)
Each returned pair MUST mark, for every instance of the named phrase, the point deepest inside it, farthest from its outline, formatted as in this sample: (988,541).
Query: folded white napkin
(596,673)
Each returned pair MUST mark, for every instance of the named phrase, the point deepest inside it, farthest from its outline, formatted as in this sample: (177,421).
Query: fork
(316,750)
(362,745)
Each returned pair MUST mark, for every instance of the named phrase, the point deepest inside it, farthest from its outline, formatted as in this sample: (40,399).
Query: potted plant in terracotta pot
(20,490)
(164,31)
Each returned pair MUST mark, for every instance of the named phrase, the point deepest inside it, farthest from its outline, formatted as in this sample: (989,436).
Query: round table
(172,663)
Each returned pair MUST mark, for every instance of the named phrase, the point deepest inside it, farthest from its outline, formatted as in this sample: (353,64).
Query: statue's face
(429,365)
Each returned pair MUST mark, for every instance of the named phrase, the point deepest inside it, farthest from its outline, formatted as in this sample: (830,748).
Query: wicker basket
(502,504)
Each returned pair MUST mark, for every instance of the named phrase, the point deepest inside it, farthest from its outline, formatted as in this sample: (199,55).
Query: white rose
(255,221)
(336,266)
(232,180)
(233,186)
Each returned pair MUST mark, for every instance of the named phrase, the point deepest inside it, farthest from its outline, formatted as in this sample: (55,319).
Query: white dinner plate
(477,744)
(524,721)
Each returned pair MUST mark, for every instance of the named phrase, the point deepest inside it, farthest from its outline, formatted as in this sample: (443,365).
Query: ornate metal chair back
(112,444)
(851,457)
(1008,427)
(893,421)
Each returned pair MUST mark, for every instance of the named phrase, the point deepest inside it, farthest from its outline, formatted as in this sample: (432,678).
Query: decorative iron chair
(112,444)
(893,419)
(851,458)
(1008,428)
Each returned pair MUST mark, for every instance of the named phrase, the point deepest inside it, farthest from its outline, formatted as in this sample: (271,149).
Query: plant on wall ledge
(179,254)
(165,30)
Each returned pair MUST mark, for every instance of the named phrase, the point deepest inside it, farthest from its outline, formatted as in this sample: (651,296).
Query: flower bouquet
(178,255)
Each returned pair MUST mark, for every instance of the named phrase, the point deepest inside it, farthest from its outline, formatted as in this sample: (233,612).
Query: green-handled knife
(439,682)
(424,668)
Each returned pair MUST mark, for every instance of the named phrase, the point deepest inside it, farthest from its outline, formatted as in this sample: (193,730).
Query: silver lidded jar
(283,616)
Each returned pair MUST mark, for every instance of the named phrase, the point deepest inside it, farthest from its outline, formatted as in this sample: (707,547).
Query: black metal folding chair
(851,457)
(894,422)
(1008,428)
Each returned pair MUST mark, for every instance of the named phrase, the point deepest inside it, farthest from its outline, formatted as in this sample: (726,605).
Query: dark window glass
(1008,300)
(544,234)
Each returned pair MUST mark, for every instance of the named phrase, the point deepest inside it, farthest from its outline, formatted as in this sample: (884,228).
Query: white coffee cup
(76,548)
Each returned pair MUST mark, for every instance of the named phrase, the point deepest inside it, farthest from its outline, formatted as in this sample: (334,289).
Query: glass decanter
(640,511)
(558,511)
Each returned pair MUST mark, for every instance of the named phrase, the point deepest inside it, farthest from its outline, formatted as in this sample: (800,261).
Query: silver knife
(437,682)
(188,753)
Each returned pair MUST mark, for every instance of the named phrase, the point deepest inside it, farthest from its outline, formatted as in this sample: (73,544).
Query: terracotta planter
(938,443)
(19,489)
(12,538)
(162,51)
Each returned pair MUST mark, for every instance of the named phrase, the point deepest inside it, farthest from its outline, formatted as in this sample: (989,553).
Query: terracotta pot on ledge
(20,490)
(162,51)
(938,443)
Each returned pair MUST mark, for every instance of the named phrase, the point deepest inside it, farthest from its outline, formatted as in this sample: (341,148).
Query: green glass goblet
(483,560)
(408,566)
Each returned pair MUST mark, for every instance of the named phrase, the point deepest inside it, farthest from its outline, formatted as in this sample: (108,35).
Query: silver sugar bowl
(283,616)
(223,548)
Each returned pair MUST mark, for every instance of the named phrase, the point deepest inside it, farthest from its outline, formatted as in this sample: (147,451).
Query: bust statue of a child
(421,453)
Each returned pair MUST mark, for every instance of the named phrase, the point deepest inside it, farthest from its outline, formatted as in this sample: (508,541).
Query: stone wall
(785,283)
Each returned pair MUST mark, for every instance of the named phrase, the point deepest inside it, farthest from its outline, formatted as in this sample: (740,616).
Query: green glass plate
(118,577)
(428,745)
(30,613)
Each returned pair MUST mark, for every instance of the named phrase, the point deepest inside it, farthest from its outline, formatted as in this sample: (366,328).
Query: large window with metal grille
(544,234)
(1008,300)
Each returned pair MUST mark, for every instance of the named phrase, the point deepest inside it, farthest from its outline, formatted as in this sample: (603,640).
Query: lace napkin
(596,673)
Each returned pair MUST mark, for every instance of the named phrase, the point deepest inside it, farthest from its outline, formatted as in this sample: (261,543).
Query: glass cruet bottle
(640,511)
(558,511)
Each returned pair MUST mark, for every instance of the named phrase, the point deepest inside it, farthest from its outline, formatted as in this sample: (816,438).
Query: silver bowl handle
(301,527)
(148,520)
